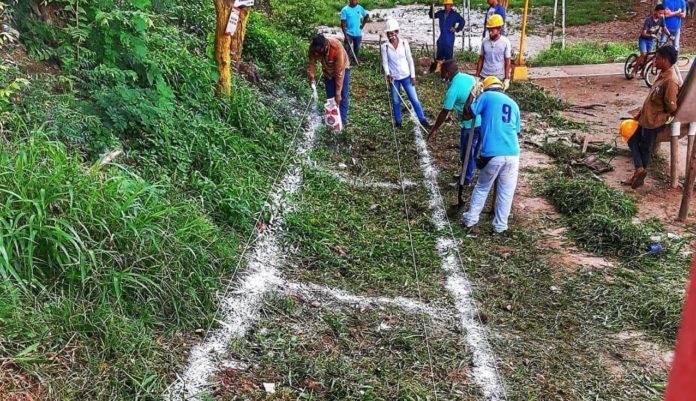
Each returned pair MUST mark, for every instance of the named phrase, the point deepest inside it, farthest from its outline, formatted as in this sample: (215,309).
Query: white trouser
(505,169)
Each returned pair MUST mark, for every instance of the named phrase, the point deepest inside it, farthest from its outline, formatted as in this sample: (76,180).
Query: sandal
(640,179)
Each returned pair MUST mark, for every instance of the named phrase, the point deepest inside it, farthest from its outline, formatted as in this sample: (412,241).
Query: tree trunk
(223,8)
(237,45)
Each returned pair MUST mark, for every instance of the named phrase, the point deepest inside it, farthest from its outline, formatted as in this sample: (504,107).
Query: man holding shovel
(459,95)
(450,23)
(499,157)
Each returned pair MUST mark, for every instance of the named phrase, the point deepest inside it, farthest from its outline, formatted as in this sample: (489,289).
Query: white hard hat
(391,25)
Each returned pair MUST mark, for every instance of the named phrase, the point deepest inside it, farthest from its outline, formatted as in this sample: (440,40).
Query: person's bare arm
(438,122)
(479,66)
(508,68)
(343,28)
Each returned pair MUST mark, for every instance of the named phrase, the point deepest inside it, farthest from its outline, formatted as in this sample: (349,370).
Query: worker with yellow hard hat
(494,8)
(496,53)
(450,22)
(498,160)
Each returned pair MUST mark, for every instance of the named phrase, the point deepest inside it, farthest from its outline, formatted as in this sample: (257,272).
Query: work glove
(506,84)
(478,89)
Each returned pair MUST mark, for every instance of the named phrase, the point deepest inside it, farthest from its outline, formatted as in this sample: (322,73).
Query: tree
(226,44)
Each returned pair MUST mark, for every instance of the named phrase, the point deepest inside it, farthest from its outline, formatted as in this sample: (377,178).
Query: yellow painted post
(520,71)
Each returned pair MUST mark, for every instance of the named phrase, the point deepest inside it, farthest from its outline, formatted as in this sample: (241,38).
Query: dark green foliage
(121,261)
(299,18)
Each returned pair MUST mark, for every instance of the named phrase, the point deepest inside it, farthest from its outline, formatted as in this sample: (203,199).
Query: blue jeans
(645,45)
(331,92)
(355,42)
(475,145)
(641,145)
(677,36)
(412,97)
(505,169)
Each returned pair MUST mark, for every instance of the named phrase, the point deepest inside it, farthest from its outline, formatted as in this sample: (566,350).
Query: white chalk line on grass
(242,307)
(314,291)
(485,371)
(360,182)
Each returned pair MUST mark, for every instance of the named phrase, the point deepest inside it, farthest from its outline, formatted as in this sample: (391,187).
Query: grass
(106,273)
(582,53)
(317,350)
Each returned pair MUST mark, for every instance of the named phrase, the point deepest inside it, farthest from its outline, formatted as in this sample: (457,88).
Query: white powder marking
(242,307)
(362,183)
(313,291)
(484,370)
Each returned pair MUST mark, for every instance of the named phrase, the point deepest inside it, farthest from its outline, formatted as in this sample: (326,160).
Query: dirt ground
(655,198)
(628,31)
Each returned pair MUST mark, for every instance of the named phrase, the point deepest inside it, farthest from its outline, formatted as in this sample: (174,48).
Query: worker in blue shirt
(353,19)
(675,10)
(494,8)
(498,160)
(450,23)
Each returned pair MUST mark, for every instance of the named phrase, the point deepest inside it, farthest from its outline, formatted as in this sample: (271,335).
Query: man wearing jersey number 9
(499,156)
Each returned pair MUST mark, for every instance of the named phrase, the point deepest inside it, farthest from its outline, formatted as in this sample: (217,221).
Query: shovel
(454,209)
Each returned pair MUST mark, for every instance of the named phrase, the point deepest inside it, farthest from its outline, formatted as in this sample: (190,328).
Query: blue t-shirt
(353,16)
(498,9)
(500,124)
(653,27)
(674,23)
(457,95)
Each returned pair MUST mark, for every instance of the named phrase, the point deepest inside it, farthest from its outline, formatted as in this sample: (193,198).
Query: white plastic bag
(332,116)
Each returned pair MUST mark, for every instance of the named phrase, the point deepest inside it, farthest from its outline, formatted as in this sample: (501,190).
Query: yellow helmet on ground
(491,82)
(627,129)
(446,2)
(495,21)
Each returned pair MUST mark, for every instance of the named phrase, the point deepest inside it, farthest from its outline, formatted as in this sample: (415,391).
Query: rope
(410,235)
(252,238)
(459,255)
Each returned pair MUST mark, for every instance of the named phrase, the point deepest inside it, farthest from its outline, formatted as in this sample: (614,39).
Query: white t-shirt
(494,54)
(398,63)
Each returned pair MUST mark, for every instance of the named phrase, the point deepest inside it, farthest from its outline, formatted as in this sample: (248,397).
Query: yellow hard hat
(490,82)
(495,21)
(446,2)
(627,129)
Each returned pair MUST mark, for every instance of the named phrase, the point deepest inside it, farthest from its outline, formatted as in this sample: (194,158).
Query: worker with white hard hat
(450,22)
(495,53)
(400,71)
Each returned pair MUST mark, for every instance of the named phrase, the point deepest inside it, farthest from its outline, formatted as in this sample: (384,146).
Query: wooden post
(563,23)
(223,9)
(237,45)
(555,16)
(674,161)
(688,188)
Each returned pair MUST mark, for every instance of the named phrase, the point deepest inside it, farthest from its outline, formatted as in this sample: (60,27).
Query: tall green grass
(104,274)
(583,53)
